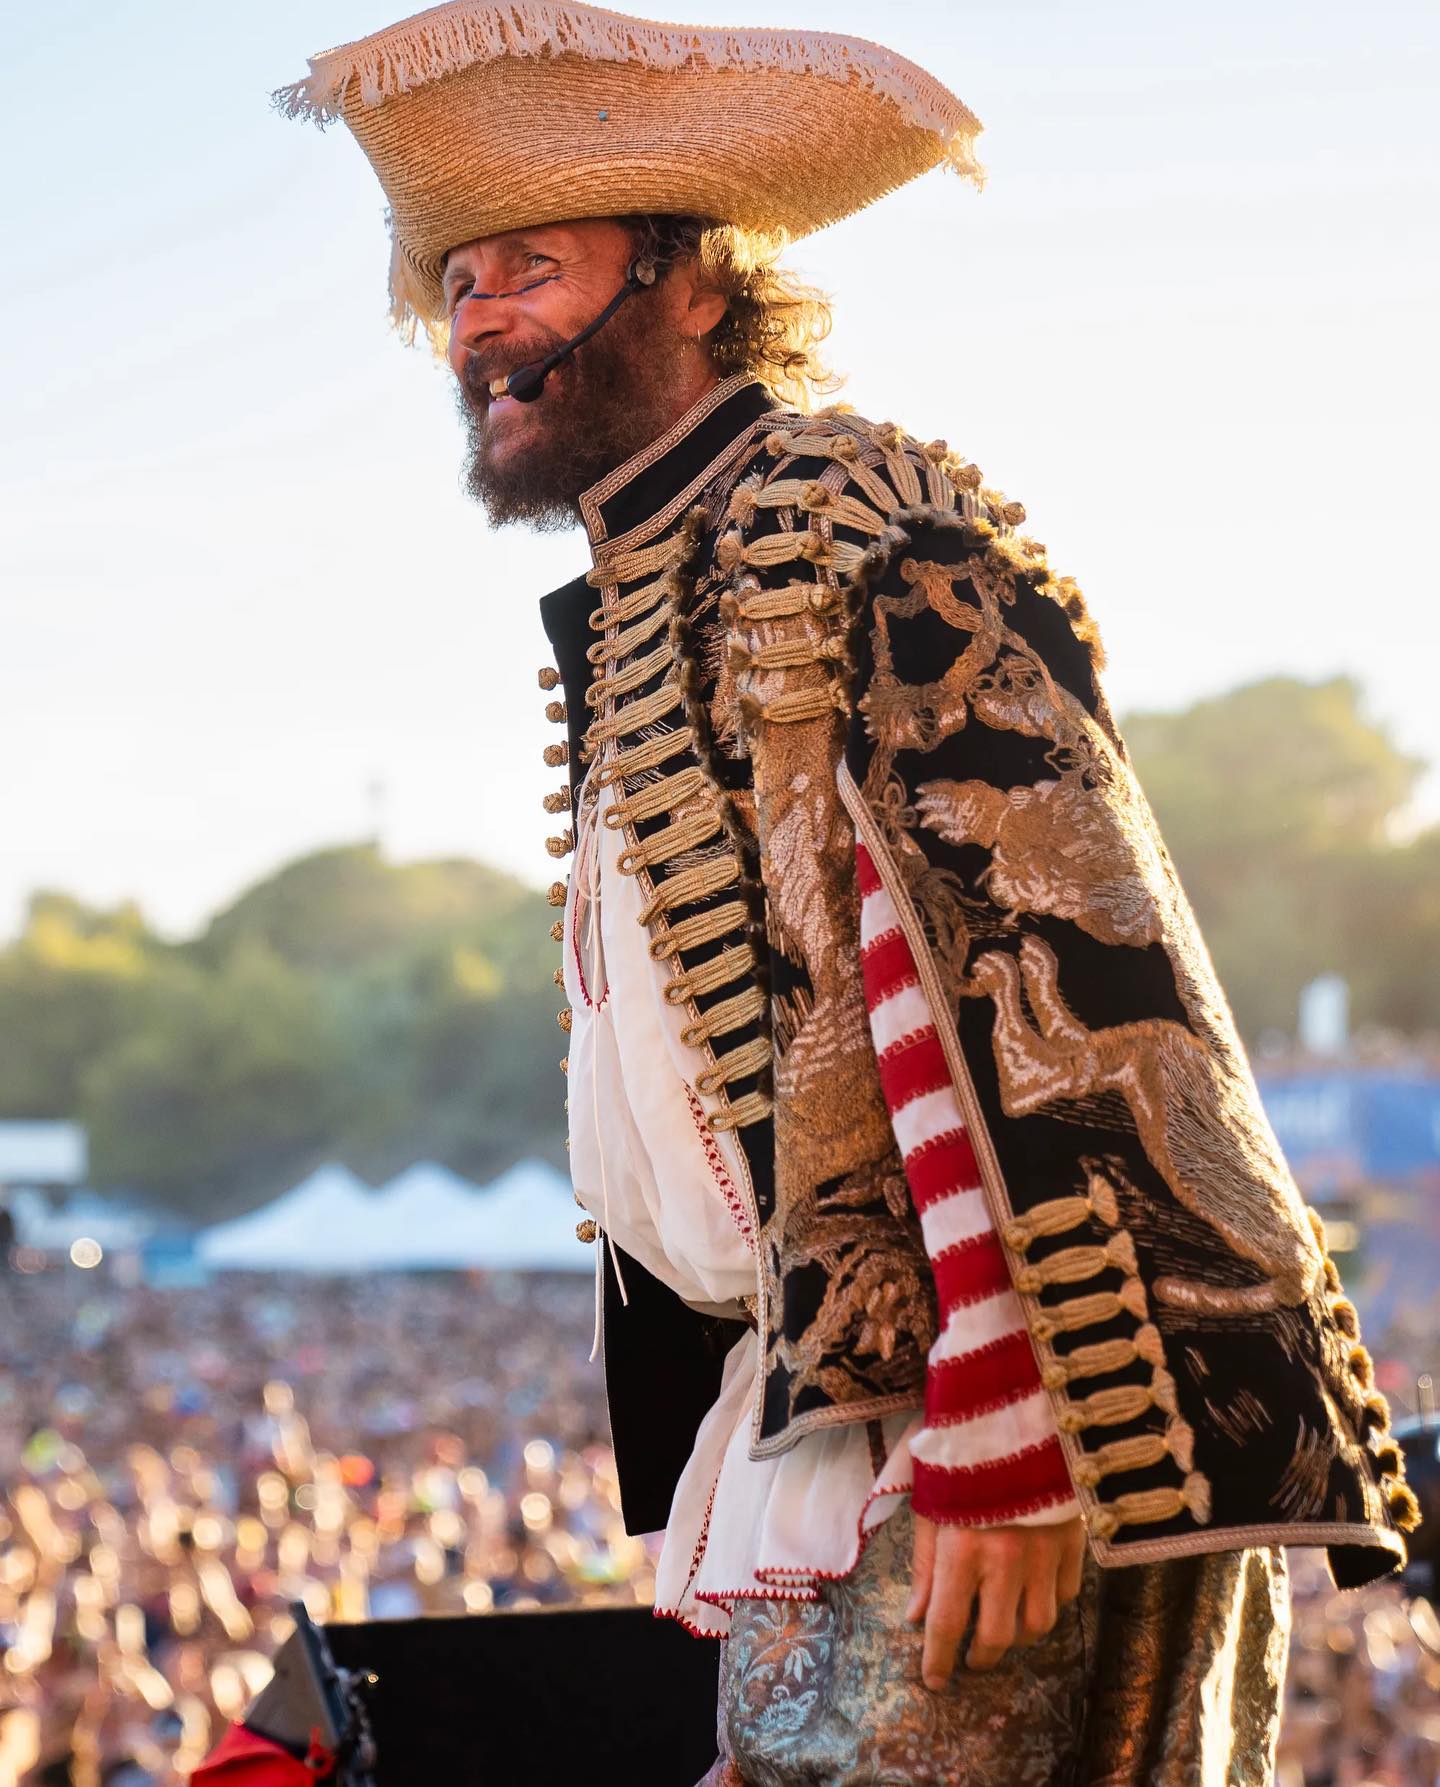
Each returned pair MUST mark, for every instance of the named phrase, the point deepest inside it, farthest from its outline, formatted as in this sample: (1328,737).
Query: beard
(597,409)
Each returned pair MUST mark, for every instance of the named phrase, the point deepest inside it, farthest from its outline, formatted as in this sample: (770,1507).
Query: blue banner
(1345,1125)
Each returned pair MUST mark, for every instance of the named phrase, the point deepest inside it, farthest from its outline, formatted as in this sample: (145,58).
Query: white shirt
(674,1194)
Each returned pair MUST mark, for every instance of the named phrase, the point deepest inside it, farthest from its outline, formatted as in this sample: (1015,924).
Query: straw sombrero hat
(482,117)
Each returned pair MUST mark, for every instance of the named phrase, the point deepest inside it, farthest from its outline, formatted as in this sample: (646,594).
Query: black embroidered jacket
(798,632)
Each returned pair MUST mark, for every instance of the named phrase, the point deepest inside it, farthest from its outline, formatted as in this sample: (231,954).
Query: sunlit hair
(773,323)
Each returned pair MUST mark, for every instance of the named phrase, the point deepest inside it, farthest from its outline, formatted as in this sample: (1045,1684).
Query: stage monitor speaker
(562,1696)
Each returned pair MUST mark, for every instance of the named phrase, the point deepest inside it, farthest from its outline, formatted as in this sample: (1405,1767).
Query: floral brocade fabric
(1158,1676)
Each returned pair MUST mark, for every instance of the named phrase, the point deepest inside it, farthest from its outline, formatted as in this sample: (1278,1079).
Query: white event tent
(425,1219)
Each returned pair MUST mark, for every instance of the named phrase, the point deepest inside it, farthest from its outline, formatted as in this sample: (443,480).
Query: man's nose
(477,323)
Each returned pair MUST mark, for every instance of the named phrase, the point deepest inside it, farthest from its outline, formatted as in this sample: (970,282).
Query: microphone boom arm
(527,382)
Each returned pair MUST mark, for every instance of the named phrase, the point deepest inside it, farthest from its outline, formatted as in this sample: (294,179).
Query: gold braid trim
(672,840)
(633,676)
(634,715)
(702,927)
(779,604)
(1107,1408)
(609,651)
(637,602)
(1144,1507)
(689,886)
(873,473)
(634,739)
(945,472)
(1060,1214)
(1143,1450)
(705,977)
(841,556)
(809,497)
(656,797)
(1366,1406)
(725,1014)
(1115,1404)
(1103,1356)
(794,705)
(770,549)
(840,509)
(641,758)
(1073,1264)
(1089,1312)
(615,568)
(749,1058)
(785,654)
(753,1107)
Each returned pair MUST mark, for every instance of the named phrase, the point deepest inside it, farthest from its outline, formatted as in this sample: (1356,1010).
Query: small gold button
(549,677)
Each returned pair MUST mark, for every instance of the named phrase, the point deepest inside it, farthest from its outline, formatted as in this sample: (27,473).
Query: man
(963,1326)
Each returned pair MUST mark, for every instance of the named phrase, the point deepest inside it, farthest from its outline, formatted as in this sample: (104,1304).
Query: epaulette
(836,496)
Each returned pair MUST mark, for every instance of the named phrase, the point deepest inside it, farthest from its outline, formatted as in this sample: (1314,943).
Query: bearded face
(529,462)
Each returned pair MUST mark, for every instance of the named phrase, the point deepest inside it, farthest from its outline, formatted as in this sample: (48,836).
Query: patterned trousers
(1162,1675)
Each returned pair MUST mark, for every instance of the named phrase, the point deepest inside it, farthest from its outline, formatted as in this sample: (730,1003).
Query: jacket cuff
(1029,1488)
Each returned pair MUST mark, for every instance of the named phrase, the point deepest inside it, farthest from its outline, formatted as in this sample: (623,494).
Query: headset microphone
(527,382)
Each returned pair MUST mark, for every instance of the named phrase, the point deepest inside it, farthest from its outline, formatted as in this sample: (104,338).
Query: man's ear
(697,307)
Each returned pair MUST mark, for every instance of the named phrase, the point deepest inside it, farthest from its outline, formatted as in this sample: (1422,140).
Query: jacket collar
(654,477)
(670,468)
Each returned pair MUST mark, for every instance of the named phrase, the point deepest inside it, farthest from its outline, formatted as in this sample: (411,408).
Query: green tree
(73,984)
(343,1007)
(228,1093)
(1278,801)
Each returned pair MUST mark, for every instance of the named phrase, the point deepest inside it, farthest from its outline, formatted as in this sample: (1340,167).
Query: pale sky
(1189,323)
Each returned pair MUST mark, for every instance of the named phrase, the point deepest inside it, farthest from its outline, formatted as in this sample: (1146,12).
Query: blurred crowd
(180,1466)
(1363,1687)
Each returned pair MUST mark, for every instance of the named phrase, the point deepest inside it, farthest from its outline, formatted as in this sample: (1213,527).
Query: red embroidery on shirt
(720,1172)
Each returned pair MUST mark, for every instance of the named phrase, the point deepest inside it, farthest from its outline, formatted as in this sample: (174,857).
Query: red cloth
(244,1759)
(989,1453)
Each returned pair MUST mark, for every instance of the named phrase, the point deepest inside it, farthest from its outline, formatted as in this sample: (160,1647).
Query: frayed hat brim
(479,118)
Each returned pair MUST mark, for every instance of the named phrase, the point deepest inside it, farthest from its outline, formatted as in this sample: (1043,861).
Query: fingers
(923,1568)
(1072,1563)
(1055,1564)
(1013,1579)
(1000,1592)
(1039,1609)
(952,1596)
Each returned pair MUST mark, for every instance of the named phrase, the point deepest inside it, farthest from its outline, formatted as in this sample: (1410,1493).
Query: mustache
(482,365)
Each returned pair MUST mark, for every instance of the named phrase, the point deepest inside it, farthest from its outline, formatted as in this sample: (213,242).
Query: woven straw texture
(480,118)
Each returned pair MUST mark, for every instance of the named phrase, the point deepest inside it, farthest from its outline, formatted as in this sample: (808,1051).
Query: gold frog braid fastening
(639,726)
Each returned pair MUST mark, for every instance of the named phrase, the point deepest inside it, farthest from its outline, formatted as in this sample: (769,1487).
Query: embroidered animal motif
(1168,1080)
(1054,848)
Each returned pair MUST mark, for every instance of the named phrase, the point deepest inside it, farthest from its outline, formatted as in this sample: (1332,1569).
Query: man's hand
(1021,1576)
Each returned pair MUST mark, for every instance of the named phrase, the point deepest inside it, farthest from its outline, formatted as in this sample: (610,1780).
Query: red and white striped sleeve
(988,1453)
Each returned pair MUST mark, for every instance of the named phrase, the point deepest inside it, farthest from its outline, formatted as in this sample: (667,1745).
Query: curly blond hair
(773,323)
